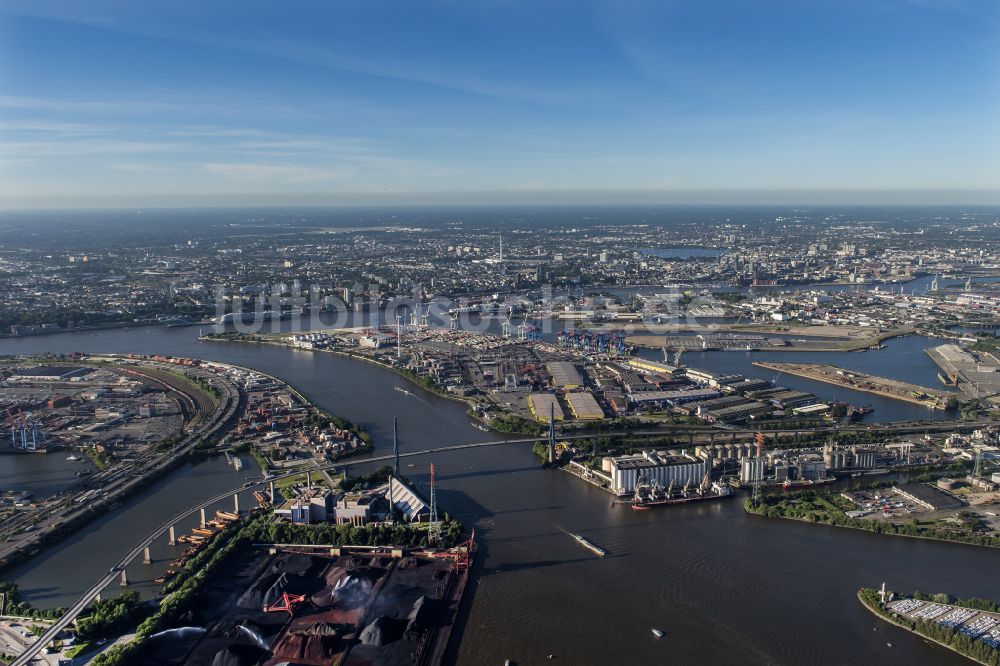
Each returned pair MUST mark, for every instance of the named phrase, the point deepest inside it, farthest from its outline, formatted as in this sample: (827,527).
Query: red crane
(287,603)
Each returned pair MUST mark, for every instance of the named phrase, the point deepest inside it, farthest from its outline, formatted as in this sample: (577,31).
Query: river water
(726,588)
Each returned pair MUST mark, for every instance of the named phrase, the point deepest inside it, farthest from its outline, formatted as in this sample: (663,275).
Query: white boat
(657,633)
(72,458)
(600,552)
(402,390)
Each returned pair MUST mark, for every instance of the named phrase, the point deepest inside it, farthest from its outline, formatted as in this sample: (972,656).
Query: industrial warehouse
(625,472)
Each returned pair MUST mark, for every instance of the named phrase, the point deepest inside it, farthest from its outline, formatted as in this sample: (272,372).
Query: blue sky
(129,102)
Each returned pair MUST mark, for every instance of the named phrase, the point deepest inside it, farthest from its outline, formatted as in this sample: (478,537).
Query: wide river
(725,587)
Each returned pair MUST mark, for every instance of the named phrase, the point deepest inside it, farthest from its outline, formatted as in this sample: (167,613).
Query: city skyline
(781,102)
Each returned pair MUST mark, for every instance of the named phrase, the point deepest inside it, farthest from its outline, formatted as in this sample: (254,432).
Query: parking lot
(973,623)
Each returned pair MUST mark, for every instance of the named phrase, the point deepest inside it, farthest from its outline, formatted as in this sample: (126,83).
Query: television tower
(434,527)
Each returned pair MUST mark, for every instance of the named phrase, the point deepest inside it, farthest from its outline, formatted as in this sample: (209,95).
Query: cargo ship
(651,494)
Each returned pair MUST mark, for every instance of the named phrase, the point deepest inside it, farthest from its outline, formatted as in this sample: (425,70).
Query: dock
(860,381)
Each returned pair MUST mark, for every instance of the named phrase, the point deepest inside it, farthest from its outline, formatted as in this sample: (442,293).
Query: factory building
(653,398)
(929,498)
(751,469)
(564,375)
(313,506)
(644,365)
(811,469)
(834,458)
(50,373)
(625,471)
(407,502)
(864,459)
(541,405)
(584,407)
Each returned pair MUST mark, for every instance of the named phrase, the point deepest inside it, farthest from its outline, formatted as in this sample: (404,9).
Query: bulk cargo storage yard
(317,605)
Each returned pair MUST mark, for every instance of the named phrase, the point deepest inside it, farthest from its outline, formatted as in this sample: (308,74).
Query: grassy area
(199,387)
(830,509)
(318,479)
(78,649)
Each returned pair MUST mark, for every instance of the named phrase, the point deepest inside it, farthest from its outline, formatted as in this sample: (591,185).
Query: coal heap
(239,655)
(319,642)
(421,616)
(381,631)
(286,574)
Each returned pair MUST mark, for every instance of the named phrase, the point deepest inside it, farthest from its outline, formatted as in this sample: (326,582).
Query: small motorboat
(889,644)
(657,633)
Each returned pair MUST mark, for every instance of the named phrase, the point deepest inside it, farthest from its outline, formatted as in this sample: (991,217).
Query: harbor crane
(287,603)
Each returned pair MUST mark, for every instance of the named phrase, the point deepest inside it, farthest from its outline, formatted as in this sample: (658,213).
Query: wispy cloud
(138,167)
(85,106)
(284,172)
(50,126)
(86,147)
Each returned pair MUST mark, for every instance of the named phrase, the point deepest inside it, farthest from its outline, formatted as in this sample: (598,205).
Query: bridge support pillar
(309,480)
(270,491)
(124,581)
(236,502)
(98,598)
(172,538)
(691,439)
(202,519)
(146,556)
(734,439)
(711,437)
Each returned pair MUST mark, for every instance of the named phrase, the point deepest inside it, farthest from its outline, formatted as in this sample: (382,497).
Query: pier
(860,381)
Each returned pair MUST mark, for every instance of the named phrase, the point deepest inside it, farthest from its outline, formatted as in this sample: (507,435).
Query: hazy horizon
(116,103)
(486,199)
